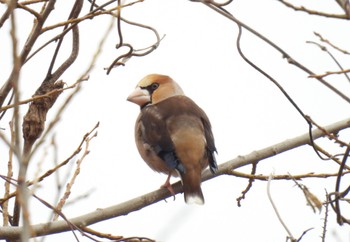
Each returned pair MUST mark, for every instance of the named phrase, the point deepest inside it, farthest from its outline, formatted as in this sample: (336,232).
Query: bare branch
(56,168)
(273,45)
(53,77)
(331,136)
(325,220)
(11,5)
(283,176)
(340,195)
(342,71)
(290,236)
(37,97)
(84,76)
(28,2)
(345,5)
(250,184)
(116,237)
(313,12)
(329,43)
(161,194)
(5,208)
(328,73)
(36,31)
(76,173)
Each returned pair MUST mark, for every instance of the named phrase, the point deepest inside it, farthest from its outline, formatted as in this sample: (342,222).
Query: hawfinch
(173,135)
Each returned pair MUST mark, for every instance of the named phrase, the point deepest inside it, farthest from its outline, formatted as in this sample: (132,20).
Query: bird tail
(192,188)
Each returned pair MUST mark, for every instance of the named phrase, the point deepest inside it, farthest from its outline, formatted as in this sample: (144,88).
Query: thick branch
(161,194)
(273,150)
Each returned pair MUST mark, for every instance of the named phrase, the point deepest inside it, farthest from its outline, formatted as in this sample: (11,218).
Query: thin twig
(330,43)
(291,237)
(331,136)
(276,47)
(325,219)
(275,82)
(330,156)
(100,234)
(32,38)
(5,211)
(84,76)
(53,77)
(28,2)
(328,73)
(342,70)
(302,235)
(285,55)
(250,184)
(340,219)
(313,12)
(22,197)
(283,176)
(29,10)
(76,173)
(121,59)
(56,168)
(37,97)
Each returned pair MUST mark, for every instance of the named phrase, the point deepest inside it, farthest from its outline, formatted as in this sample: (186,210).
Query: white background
(246,110)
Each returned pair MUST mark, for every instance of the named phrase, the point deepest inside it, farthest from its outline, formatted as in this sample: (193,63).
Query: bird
(173,134)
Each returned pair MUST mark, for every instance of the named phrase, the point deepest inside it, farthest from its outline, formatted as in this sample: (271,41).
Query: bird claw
(168,186)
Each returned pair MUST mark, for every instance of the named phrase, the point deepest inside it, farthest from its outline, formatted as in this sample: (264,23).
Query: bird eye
(154,86)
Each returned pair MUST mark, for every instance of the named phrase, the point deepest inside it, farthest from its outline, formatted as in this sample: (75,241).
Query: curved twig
(120,60)
(279,87)
(337,193)
(123,57)
(119,27)
(217,4)
(152,47)
(284,53)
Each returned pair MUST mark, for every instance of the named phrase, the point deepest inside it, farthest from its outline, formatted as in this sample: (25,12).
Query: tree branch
(33,36)
(161,194)
(314,12)
(285,55)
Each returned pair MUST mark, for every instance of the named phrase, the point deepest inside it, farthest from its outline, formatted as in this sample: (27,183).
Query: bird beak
(139,96)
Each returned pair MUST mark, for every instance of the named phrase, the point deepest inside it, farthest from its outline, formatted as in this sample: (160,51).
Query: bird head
(154,88)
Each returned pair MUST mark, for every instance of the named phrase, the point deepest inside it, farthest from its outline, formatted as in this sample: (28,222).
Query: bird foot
(168,186)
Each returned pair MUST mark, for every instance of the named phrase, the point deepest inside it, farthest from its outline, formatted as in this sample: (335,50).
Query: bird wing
(158,120)
(156,135)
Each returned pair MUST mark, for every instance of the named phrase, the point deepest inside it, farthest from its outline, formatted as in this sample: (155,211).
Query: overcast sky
(246,110)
